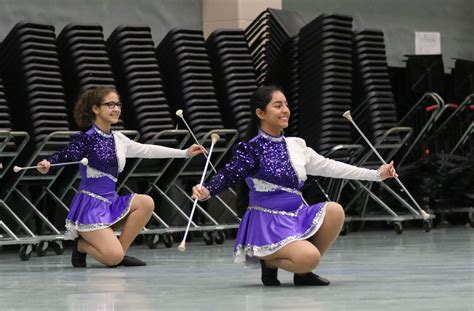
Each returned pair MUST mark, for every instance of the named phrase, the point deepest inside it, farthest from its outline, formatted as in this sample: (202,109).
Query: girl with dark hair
(97,210)
(279,228)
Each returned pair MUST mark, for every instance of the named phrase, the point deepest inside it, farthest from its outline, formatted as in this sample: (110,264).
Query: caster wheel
(139,239)
(457,219)
(232,233)
(168,240)
(427,225)
(219,237)
(398,227)
(25,252)
(57,247)
(42,248)
(208,238)
(152,241)
(345,230)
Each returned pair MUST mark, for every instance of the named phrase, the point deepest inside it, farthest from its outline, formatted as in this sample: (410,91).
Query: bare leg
(103,245)
(140,212)
(330,229)
(297,257)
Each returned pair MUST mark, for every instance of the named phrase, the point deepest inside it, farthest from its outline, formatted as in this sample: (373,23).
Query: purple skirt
(273,220)
(96,206)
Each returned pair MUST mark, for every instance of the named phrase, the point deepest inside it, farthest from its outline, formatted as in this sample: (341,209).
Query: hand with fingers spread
(200,192)
(387,171)
(195,149)
(43,166)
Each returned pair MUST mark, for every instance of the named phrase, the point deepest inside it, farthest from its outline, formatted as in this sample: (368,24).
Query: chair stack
(134,62)
(291,84)
(325,61)
(84,61)
(234,75)
(267,36)
(5,120)
(188,81)
(373,106)
(30,68)
(463,79)
(423,74)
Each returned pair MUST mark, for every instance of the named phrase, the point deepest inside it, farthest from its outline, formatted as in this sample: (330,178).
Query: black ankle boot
(269,275)
(78,259)
(310,279)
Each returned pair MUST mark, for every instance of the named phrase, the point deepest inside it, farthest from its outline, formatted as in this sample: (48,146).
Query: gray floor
(369,271)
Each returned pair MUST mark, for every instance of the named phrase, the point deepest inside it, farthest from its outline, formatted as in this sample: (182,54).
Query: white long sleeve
(138,150)
(308,162)
(321,166)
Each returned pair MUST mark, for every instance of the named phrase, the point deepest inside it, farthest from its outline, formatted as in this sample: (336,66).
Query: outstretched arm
(138,150)
(75,151)
(318,165)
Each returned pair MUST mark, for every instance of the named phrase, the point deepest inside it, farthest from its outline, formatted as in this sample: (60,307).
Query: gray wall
(399,19)
(160,15)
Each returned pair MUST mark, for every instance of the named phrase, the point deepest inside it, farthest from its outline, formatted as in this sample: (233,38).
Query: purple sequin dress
(96,205)
(277,214)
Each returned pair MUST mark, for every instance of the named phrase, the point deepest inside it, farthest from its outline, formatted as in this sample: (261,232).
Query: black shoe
(310,279)
(129,261)
(78,259)
(269,275)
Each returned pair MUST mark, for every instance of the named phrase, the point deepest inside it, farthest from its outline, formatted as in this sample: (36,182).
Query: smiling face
(109,109)
(276,115)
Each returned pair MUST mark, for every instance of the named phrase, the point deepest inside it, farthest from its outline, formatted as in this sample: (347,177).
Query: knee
(146,203)
(309,260)
(113,257)
(335,212)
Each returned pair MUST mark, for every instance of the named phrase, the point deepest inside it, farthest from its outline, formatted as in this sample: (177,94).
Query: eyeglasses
(112,105)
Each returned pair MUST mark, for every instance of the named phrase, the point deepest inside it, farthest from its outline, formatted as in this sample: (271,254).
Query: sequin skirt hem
(73,227)
(248,254)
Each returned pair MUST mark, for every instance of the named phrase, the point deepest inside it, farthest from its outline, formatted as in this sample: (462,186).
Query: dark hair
(260,99)
(83,114)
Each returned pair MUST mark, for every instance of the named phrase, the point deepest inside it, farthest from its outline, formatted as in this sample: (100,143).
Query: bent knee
(309,260)
(145,202)
(335,211)
(112,257)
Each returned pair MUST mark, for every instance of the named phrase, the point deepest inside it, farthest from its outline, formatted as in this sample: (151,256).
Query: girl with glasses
(97,210)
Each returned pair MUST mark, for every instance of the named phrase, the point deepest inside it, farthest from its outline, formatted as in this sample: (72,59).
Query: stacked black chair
(84,61)
(463,79)
(291,84)
(423,74)
(373,106)
(30,68)
(325,61)
(5,120)
(188,80)
(134,61)
(267,35)
(234,74)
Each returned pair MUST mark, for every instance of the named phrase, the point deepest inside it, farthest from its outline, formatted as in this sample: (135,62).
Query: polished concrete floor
(374,270)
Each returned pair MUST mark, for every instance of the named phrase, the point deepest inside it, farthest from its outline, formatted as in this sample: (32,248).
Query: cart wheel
(168,240)
(57,247)
(25,252)
(345,229)
(152,241)
(232,233)
(398,227)
(219,237)
(139,239)
(457,219)
(427,225)
(42,248)
(207,237)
